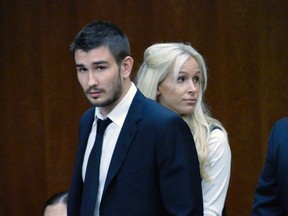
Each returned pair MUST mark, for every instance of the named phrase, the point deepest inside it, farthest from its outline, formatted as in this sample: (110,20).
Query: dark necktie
(91,183)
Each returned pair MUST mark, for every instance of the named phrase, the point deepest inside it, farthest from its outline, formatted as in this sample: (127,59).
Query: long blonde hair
(161,59)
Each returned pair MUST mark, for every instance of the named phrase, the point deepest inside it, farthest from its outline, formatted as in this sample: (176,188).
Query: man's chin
(95,101)
(99,103)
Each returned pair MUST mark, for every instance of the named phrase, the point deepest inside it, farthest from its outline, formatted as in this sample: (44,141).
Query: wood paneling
(244,44)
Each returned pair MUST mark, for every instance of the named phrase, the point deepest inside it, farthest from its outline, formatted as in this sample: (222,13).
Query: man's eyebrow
(99,62)
(79,65)
(93,63)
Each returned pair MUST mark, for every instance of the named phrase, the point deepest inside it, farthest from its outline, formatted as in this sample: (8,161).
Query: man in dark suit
(149,165)
(271,196)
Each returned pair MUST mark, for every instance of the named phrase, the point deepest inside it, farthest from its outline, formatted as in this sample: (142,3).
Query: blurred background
(244,44)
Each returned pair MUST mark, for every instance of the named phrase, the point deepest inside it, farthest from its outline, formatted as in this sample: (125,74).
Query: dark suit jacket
(271,196)
(154,169)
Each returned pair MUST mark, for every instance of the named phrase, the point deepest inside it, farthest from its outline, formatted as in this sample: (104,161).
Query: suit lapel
(74,204)
(85,127)
(126,136)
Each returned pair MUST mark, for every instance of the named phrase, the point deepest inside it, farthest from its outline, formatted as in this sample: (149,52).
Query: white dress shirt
(117,116)
(218,170)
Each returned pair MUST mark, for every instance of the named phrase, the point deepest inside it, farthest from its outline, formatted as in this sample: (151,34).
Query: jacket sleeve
(179,175)
(267,194)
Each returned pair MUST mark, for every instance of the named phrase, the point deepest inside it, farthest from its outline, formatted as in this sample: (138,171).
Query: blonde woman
(175,75)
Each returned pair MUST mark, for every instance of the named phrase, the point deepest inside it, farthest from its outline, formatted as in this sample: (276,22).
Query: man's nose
(92,79)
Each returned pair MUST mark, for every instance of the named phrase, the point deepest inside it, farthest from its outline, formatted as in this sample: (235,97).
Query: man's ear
(127,65)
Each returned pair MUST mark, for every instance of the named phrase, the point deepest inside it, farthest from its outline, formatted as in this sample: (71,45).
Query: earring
(158,93)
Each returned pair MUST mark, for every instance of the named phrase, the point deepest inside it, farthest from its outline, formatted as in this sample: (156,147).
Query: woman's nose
(192,87)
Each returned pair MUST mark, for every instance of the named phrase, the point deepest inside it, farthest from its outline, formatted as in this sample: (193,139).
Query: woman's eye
(196,79)
(181,79)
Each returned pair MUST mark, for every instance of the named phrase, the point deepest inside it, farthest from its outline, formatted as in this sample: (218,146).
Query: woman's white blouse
(218,170)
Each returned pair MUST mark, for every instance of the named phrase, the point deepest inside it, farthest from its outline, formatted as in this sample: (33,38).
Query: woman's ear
(127,65)
(158,92)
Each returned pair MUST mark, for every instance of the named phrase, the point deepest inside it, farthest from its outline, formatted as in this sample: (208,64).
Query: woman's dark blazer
(271,196)
(154,169)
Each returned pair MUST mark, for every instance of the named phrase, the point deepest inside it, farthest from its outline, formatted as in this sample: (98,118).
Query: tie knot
(102,125)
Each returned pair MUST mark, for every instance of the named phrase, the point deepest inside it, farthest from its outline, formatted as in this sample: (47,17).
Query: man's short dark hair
(102,33)
(61,197)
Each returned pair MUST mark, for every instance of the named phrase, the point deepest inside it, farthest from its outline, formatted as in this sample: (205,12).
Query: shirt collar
(118,114)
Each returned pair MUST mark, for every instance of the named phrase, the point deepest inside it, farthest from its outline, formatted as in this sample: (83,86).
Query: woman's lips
(191,101)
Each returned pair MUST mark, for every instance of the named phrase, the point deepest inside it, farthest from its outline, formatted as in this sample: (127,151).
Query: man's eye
(81,70)
(100,68)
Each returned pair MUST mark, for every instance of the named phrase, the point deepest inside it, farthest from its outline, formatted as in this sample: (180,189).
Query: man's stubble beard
(117,91)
